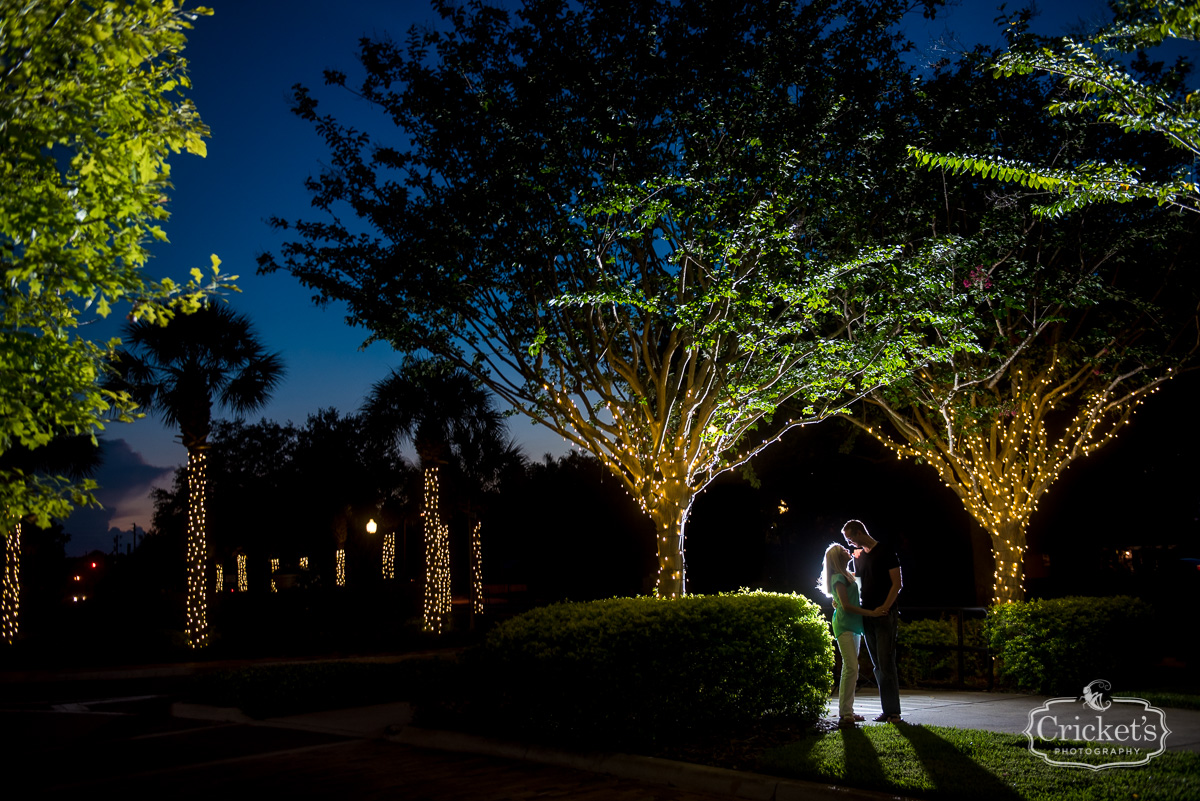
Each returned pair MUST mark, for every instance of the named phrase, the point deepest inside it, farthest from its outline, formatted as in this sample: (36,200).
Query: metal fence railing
(960,648)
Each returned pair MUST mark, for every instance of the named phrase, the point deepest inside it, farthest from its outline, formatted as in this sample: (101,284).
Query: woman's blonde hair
(836,560)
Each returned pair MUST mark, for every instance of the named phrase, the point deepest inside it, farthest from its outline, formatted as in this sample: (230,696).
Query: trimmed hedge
(1056,646)
(650,670)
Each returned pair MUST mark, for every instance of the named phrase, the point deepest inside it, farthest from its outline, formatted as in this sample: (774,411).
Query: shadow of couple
(951,771)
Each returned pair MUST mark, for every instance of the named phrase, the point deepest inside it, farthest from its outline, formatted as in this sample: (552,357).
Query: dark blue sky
(243,61)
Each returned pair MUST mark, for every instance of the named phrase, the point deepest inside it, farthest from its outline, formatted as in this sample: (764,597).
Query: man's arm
(848,607)
(897,583)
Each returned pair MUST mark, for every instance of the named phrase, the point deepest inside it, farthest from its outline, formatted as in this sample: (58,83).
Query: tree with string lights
(644,225)
(1078,318)
(179,371)
(450,419)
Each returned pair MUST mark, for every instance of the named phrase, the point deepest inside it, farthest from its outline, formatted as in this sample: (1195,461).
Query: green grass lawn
(939,762)
(1165,698)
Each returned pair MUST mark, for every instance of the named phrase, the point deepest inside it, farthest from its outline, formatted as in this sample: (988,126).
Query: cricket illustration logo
(1096,695)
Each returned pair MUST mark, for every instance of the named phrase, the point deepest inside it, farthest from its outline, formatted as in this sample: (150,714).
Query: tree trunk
(476,571)
(983,565)
(436,614)
(389,556)
(1008,550)
(196,626)
(669,512)
(10,588)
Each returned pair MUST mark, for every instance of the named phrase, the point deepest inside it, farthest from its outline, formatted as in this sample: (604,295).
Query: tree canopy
(181,369)
(91,106)
(1142,99)
(642,224)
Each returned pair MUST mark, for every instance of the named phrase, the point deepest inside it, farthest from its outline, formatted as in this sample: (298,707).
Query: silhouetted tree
(450,420)
(179,371)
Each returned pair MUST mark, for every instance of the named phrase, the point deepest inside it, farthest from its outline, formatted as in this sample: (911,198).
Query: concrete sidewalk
(1000,712)
(1003,712)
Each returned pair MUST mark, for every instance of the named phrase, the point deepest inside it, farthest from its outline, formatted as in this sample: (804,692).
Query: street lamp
(372,526)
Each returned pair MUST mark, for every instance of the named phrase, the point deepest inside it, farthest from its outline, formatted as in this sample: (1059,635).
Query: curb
(653,770)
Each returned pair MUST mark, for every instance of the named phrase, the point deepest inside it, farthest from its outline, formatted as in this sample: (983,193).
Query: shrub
(1056,646)
(920,665)
(650,670)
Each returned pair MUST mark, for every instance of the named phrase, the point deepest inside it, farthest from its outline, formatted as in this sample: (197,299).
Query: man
(878,567)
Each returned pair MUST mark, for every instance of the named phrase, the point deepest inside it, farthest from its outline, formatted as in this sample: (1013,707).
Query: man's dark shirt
(874,568)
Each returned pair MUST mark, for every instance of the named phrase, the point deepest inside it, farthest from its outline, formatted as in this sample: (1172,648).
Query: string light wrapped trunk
(197,549)
(476,569)
(437,600)
(10,588)
(389,556)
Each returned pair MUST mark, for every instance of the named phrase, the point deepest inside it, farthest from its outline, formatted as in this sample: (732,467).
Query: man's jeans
(880,636)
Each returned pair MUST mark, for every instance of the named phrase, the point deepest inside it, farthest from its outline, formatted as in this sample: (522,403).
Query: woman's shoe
(847,721)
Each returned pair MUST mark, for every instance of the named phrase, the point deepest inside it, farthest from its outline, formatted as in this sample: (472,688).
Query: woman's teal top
(842,620)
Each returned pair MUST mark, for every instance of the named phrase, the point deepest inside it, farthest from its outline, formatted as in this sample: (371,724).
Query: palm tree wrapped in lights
(179,371)
(449,419)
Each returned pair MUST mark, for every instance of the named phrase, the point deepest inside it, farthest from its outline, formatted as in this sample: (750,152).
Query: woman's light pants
(848,643)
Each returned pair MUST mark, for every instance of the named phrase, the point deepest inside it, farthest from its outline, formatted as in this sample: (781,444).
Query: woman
(838,582)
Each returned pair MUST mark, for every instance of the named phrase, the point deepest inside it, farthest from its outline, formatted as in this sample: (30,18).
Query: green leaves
(89,112)
(1104,90)
(610,671)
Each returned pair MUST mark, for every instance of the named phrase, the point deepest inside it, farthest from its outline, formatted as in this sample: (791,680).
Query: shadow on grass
(862,761)
(953,773)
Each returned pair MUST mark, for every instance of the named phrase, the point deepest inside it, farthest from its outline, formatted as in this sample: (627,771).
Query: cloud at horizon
(125,481)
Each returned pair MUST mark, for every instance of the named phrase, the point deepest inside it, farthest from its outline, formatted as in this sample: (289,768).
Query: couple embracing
(873,619)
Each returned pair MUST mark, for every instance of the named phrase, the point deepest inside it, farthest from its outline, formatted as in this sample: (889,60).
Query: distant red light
(93,564)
